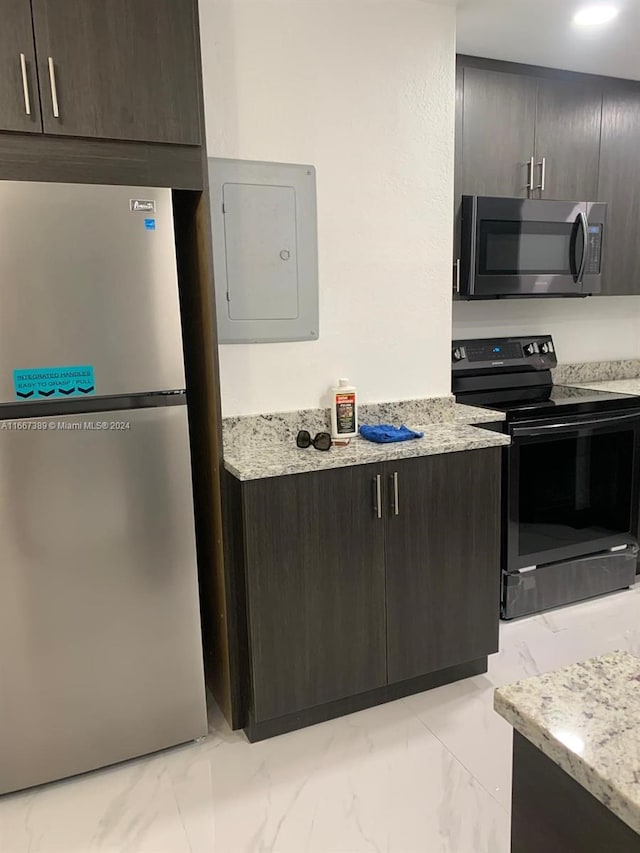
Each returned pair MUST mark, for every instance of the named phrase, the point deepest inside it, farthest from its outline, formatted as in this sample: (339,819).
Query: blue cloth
(385,433)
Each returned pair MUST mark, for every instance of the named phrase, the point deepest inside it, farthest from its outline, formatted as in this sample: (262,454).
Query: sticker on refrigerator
(47,383)
(144,205)
(150,224)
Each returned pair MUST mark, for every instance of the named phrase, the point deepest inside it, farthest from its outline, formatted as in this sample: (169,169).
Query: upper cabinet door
(119,69)
(568,124)
(498,132)
(619,186)
(19,100)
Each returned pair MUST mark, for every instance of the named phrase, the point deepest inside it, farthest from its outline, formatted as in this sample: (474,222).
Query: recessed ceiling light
(591,16)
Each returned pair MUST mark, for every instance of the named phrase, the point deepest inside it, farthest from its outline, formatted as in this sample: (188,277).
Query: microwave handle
(580,224)
(585,244)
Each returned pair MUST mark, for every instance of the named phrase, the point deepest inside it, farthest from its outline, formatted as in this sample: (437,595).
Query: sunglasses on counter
(322,441)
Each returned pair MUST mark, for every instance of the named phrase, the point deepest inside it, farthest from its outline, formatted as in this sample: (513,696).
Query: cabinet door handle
(532,171)
(543,174)
(377,500)
(25,84)
(54,88)
(396,493)
(458,276)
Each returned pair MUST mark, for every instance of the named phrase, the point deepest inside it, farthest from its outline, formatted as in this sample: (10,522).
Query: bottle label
(346,413)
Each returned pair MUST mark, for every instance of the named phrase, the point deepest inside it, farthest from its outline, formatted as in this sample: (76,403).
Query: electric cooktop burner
(513,375)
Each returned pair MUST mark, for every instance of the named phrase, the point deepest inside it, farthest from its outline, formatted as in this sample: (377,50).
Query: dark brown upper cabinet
(118,70)
(19,98)
(527,137)
(619,186)
(584,148)
(567,147)
(498,133)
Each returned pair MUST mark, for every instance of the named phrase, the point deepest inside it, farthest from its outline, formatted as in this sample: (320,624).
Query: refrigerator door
(100,648)
(87,280)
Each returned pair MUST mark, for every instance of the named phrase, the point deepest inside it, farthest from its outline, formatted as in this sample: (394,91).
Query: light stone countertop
(275,460)
(258,446)
(475,415)
(596,371)
(585,718)
(618,386)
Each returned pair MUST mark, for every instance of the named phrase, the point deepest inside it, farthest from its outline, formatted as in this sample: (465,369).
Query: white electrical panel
(265,254)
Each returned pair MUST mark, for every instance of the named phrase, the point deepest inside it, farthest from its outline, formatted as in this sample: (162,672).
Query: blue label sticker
(47,383)
(150,224)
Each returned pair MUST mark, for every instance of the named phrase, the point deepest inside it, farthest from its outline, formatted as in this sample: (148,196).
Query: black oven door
(571,488)
(529,247)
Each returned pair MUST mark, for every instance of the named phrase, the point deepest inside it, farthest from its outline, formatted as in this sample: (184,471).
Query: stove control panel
(494,354)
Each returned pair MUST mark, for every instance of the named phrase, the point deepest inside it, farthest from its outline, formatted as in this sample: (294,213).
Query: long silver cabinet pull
(54,88)
(532,173)
(458,276)
(543,174)
(25,84)
(396,497)
(378,498)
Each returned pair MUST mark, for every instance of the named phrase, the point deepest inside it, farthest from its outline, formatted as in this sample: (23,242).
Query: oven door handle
(548,429)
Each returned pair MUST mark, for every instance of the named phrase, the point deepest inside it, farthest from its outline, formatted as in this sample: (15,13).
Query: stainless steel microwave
(530,247)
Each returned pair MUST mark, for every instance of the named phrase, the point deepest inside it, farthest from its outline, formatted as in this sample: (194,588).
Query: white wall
(592,329)
(364,90)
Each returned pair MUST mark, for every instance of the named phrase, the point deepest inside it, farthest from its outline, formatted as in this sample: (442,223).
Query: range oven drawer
(568,581)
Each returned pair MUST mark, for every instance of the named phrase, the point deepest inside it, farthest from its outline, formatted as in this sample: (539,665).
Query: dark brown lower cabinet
(314,561)
(552,813)
(443,561)
(346,600)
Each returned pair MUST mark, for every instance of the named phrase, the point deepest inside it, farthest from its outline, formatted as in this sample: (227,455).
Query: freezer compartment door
(100,647)
(85,280)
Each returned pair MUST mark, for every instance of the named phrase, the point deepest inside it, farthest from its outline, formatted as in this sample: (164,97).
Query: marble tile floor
(426,774)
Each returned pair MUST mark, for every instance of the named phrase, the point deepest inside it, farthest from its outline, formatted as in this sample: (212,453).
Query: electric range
(570,476)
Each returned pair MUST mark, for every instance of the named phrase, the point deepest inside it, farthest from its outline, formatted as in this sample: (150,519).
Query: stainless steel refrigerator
(100,649)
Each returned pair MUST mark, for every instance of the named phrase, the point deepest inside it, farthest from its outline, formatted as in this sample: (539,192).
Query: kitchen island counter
(581,721)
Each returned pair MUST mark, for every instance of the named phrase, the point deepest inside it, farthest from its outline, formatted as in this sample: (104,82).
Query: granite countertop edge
(595,776)
(572,764)
(277,460)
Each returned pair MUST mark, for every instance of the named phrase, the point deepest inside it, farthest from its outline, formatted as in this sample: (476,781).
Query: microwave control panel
(594,250)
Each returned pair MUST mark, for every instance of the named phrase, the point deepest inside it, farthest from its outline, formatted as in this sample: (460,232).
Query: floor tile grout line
(455,757)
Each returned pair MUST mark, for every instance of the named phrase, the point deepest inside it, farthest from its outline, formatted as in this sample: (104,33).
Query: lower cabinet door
(442,561)
(315,585)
